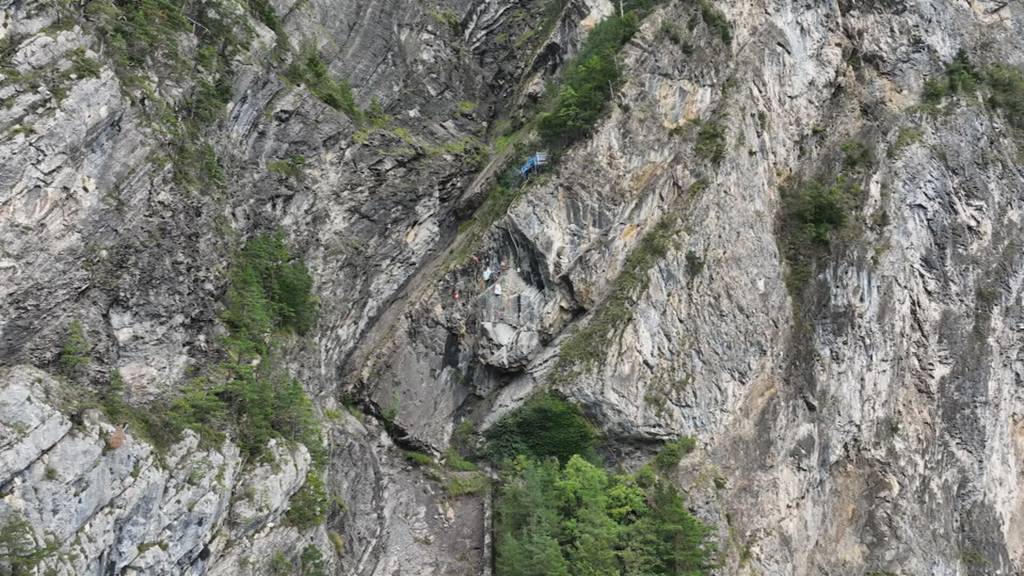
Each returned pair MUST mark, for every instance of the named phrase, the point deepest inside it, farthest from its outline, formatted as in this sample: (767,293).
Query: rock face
(867,419)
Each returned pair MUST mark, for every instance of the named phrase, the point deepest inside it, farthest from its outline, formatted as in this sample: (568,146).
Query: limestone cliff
(856,396)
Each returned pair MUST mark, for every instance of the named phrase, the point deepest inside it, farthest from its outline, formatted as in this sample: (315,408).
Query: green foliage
(579,520)
(418,458)
(818,209)
(83,66)
(960,77)
(309,506)
(248,393)
(143,39)
(670,31)
(310,69)
(672,452)
(711,142)
(812,213)
(716,22)
(1003,85)
(587,83)
(312,562)
(337,542)
(466,483)
(1006,85)
(292,167)
(906,137)
(19,551)
(857,155)
(74,356)
(455,461)
(266,14)
(270,289)
(546,426)
(588,345)
(279,565)
(448,18)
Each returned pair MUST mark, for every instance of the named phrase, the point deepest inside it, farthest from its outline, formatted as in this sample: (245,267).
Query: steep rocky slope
(857,402)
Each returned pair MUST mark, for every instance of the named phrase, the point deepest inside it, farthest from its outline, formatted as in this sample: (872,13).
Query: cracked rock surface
(870,421)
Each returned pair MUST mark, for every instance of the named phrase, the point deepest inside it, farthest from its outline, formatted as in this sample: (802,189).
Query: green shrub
(279,565)
(310,69)
(716,22)
(290,168)
(672,452)
(455,461)
(270,289)
(588,81)
(580,520)
(312,562)
(74,355)
(20,553)
(711,145)
(545,426)
(1006,84)
(857,155)
(467,483)
(418,458)
(1003,84)
(819,209)
(83,66)
(256,401)
(309,506)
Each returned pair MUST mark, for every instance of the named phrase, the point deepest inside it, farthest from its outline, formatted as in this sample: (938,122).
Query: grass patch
(907,136)
(455,461)
(75,354)
(418,458)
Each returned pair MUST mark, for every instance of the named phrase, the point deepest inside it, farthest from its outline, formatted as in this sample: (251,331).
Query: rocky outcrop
(834,419)
(868,419)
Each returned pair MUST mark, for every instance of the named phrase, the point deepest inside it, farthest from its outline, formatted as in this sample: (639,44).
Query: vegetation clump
(716,21)
(291,167)
(578,519)
(309,506)
(310,69)
(247,394)
(816,210)
(20,554)
(1003,85)
(711,144)
(672,452)
(74,356)
(589,80)
(546,426)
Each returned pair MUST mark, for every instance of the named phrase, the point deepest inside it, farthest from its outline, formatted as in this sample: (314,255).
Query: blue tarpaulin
(533,162)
